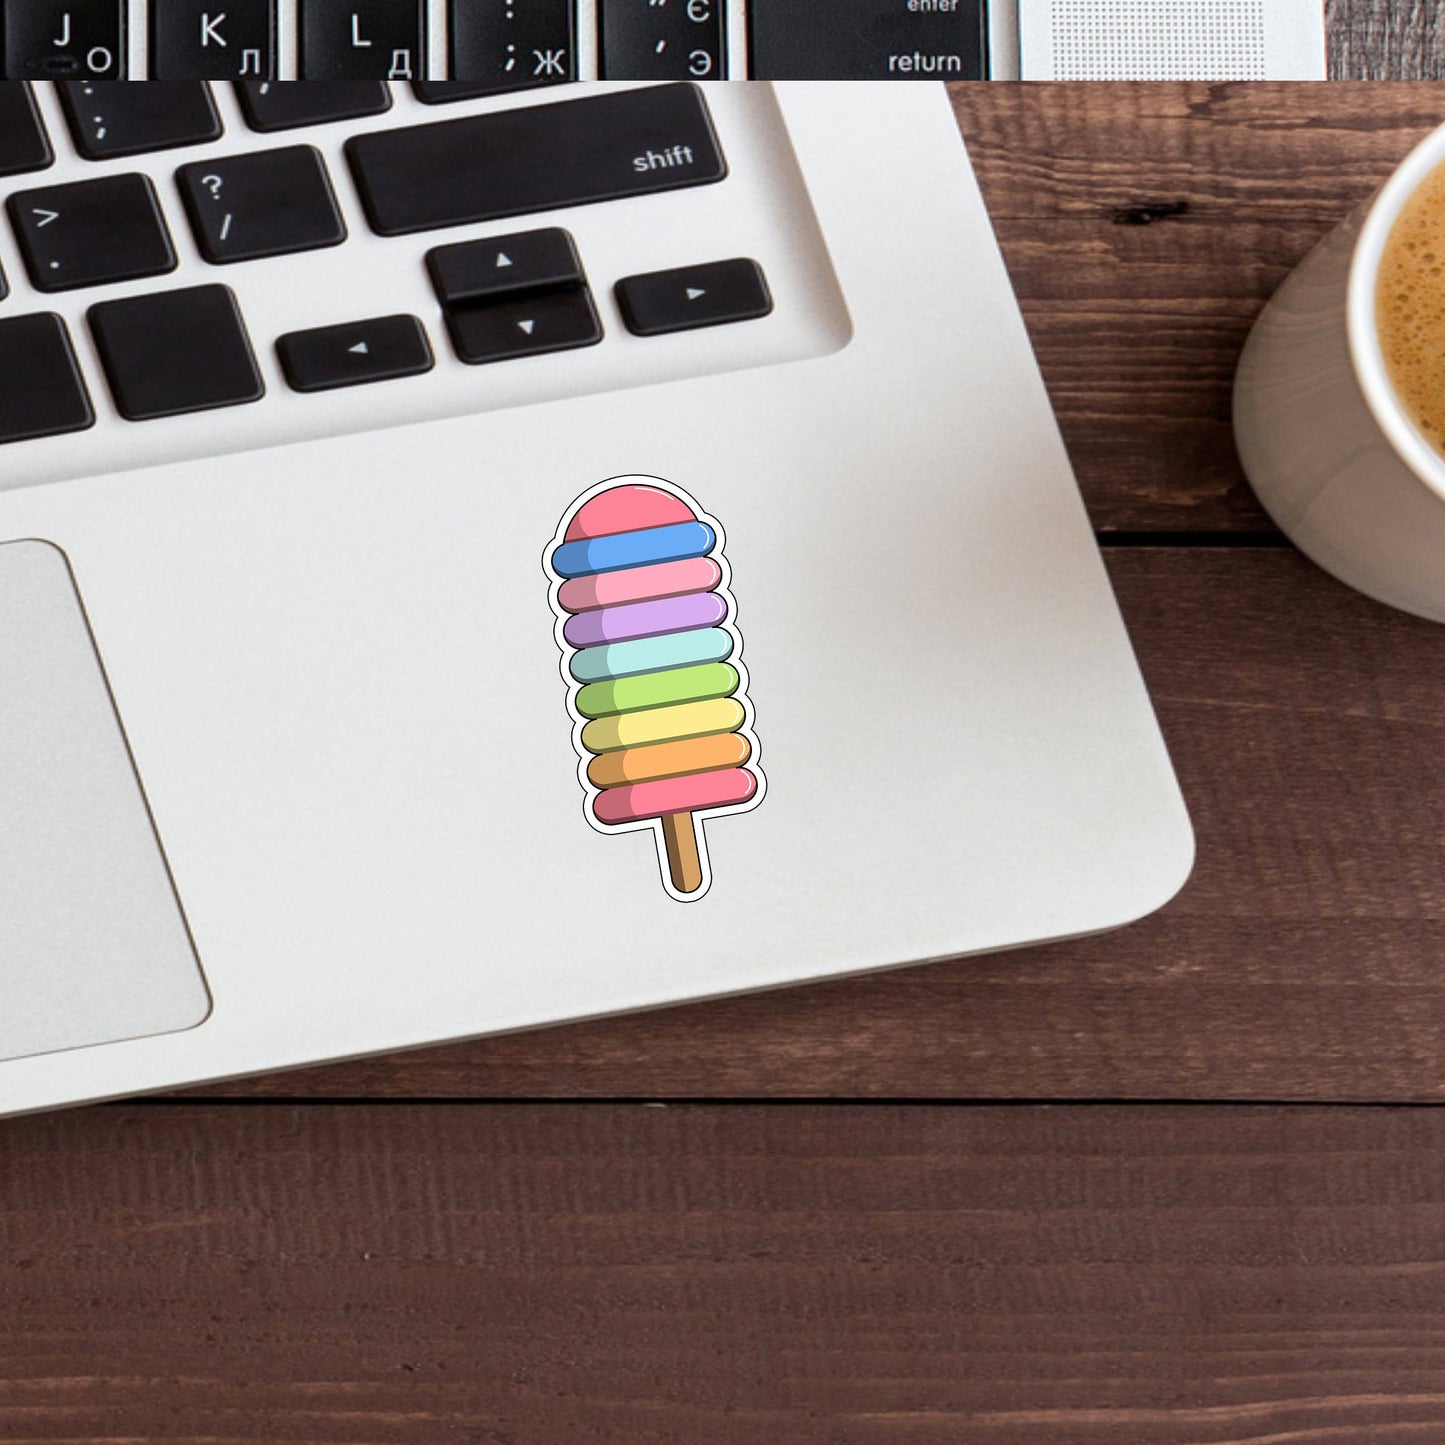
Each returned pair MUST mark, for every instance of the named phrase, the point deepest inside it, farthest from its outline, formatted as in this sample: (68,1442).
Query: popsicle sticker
(653,663)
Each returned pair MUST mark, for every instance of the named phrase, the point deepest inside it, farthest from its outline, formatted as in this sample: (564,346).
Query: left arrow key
(360,351)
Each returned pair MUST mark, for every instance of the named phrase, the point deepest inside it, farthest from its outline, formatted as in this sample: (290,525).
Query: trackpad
(93,945)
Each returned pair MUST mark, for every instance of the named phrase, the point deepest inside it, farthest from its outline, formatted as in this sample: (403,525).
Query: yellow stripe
(662,724)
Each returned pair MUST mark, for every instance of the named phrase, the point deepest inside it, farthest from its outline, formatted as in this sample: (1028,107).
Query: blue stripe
(633,549)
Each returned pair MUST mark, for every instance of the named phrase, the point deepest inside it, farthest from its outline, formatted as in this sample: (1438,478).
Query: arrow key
(526,260)
(357,352)
(525,326)
(91,232)
(692,296)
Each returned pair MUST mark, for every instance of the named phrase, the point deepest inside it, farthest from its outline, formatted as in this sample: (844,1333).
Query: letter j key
(64,39)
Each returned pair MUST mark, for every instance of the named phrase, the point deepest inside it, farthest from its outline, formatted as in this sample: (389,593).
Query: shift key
(536,158)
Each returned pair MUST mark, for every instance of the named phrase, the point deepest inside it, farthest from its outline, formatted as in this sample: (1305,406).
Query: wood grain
(704,1276)
(1386,39)
(1304,960)
(1144,227)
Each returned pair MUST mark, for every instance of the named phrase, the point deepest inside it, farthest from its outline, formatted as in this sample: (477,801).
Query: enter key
(869,39)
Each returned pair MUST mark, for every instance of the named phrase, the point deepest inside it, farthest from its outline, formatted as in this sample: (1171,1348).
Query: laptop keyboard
(497,44)
(178,254)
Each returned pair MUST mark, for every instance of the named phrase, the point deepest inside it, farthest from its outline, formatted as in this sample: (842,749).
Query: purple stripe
(645,619)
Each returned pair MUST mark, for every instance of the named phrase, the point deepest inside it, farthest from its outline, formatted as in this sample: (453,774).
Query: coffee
(1410,307)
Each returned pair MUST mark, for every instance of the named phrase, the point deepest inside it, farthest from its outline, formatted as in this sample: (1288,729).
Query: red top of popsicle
(628,508)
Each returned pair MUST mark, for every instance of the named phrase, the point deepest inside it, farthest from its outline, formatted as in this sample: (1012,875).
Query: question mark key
(267,203)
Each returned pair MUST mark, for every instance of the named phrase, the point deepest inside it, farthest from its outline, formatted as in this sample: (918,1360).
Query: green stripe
(658,689)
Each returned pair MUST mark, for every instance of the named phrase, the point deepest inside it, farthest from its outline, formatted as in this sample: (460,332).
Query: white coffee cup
(1330,451)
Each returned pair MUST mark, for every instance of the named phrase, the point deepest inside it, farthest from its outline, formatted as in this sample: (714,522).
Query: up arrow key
(503,259)
(360,349)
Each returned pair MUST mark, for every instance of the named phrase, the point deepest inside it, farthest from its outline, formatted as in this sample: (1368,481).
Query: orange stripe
(668,760)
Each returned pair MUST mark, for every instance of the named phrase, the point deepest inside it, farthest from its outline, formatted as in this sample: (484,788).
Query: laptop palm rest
(93,946)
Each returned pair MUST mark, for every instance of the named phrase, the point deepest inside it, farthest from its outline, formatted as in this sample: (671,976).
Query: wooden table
(831,1215)
(1386,39)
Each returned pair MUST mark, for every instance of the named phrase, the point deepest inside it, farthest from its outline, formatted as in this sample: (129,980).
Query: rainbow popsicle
(658,688)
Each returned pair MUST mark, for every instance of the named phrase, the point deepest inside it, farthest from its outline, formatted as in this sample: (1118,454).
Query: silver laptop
(583,551)
(508,43)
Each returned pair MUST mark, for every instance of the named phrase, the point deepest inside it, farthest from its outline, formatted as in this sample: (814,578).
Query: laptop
(506,43)
(583,551)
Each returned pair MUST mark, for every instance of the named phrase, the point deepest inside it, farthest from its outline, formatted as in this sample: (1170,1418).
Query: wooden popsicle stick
(684,862)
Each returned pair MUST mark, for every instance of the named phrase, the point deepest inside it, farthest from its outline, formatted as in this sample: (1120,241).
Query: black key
(537,158)
(526,326)
(91,232)
(213,39)
(4,286)
(663,39)
(271,105)
(175,351)
(268,203)
(360,351)
(24,146)
(363,39)
(869,39)
(120,118)
(482,270)
(501,45)
(61,39)
(693,296)
(444,92)
(41,391)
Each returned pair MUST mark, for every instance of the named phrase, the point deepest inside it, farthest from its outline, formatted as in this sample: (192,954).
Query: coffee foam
(1410,307)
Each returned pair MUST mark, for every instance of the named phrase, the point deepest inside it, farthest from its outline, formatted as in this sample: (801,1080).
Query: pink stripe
(628,508)
(639,584)
(693,794)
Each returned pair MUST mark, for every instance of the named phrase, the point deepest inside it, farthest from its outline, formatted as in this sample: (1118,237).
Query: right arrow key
(713,294)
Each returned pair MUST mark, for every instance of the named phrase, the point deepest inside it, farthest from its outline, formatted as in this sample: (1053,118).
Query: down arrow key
(527,325)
